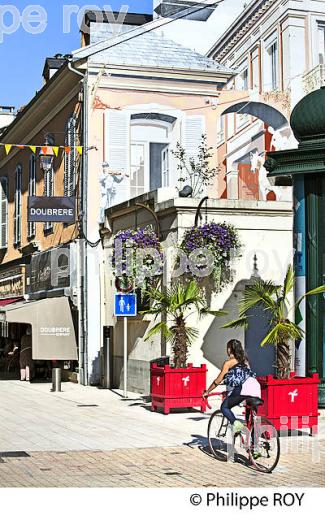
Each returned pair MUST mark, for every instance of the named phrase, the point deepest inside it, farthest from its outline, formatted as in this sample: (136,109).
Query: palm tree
(177,304)
(274,300)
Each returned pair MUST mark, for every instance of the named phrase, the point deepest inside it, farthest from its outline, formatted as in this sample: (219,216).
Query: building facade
(33,256)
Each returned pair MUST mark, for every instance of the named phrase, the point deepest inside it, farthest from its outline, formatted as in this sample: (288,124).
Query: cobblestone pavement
(151,467)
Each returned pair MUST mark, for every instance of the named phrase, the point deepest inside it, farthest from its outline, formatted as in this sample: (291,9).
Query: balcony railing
(314,79)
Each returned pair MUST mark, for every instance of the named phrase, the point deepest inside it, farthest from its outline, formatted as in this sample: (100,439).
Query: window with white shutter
(70,158)
(48,192)
(17,209)
(117,152)
(32,191)
(4,213)
(192,135)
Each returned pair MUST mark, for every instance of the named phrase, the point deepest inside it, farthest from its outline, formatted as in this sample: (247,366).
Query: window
(221,130)
(48,192)
(321,43)
(165,166)
(150,144)
(242,120)
(70,159)
(137,180)
(17,209)
(242,78)
(32,191)
(4,213)
(273,53)
(255,69)
(271,62)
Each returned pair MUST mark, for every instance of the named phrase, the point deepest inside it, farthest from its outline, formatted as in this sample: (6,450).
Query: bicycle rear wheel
(217,435)
(264,445)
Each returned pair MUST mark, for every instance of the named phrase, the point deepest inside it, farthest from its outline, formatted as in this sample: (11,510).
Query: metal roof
(152,49)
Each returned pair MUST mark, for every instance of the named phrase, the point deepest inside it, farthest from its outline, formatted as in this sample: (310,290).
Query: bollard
(56,379)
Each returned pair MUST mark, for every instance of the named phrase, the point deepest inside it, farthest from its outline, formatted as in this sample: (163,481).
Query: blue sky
(22,54)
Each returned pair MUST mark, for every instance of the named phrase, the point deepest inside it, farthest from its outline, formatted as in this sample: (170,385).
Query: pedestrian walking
(26,356)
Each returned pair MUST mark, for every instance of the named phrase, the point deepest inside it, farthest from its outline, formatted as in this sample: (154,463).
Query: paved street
(91,437)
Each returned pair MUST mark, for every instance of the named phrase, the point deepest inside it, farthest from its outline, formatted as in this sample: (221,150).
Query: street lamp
(46,155)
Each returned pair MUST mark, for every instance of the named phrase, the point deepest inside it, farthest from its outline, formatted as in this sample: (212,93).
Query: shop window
(17,206)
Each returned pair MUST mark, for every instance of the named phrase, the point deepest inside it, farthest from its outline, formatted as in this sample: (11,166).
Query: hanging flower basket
(222,242)
(137,259)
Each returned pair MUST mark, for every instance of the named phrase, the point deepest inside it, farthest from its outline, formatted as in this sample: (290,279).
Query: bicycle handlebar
(213,395)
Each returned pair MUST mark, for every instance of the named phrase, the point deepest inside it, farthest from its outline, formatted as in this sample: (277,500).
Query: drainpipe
(83,274)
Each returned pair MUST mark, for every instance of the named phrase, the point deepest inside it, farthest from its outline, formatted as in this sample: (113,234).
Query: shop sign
(12,282)
(52,209)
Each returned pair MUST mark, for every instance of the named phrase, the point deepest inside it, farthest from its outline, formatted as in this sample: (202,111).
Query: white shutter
(117,148)
(70,159)
(118,140)
(4,213)
(192,135)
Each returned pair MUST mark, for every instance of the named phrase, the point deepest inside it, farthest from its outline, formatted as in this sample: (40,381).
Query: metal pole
(56,379)
(125,357)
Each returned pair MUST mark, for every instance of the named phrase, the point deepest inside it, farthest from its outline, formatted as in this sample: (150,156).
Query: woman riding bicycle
(240,380)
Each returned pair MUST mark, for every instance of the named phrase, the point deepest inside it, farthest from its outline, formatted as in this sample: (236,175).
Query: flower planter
(291,403)
(177,387)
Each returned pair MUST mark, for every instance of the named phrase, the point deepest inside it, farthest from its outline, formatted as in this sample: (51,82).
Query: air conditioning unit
(171,8)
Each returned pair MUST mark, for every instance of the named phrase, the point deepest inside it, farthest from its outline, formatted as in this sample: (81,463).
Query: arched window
(150,152)
(32,191)
(17,209)
(70,159)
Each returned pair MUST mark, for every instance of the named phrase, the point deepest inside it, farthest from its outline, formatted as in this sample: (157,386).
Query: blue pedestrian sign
(125,305)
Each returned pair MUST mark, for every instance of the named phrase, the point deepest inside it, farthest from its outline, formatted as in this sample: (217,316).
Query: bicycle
(259,439)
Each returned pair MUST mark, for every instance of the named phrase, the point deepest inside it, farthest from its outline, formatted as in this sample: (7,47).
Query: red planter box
(290,403)
(177,387)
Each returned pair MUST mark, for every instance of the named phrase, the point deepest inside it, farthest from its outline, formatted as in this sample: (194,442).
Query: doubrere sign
(52,209)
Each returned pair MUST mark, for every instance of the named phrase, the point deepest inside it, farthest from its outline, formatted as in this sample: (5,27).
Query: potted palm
(178,385)
(288,400)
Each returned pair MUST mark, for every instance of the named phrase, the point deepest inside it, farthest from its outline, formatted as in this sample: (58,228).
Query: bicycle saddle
(254,402)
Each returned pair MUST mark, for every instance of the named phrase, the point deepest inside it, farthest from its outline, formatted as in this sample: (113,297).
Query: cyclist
(240,380)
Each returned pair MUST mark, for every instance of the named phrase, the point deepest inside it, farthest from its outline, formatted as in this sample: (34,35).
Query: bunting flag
(43,149)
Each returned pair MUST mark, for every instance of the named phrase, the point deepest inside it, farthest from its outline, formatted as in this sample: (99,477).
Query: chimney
(52,65)
(7,115)
(101,25)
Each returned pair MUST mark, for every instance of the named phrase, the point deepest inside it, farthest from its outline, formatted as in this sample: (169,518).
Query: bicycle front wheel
(217,435)
(264,445)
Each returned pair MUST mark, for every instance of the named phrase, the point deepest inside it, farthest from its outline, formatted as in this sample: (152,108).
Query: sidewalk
(32,418)
(87,437)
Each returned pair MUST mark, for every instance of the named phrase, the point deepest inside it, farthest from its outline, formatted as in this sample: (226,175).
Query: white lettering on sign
(51,212)
(158,381)
(186,380)
(293,394)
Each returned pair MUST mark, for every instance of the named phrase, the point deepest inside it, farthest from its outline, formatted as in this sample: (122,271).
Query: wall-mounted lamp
(46,155)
